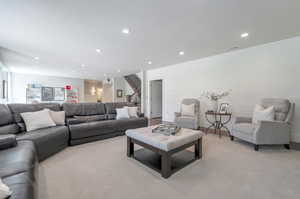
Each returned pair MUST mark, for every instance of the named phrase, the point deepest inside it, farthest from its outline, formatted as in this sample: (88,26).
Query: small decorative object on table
(166,129)
(214,98)
(224,108)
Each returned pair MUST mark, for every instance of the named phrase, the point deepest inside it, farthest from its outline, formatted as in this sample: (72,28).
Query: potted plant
(214,97)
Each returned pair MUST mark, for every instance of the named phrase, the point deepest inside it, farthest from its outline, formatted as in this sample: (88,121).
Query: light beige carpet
(228,170)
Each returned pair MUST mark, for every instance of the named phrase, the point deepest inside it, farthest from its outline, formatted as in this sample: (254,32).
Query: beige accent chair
(267,132)
(191,122)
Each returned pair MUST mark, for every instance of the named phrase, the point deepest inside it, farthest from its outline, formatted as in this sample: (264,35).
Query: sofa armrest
(7,141)
(272,132)
(242,120)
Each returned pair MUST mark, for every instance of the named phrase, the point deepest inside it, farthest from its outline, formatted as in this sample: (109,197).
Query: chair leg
(287,146)
(231,137)
(256,147)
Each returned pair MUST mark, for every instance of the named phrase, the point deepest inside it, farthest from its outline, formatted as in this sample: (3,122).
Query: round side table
(219,122)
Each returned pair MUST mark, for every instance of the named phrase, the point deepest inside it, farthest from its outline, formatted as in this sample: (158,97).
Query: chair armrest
(7,141)
(242,120)
(272,132)
(177,114)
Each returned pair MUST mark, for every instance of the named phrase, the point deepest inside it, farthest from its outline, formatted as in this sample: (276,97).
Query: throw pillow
(132,111)
(4,190)
(57,116)
(263,114)
(37,120)
(122,113)
(188,110)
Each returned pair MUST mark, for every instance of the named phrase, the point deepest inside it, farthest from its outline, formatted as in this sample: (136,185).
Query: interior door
(156,98)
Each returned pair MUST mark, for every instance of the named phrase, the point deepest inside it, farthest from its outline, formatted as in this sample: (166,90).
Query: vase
(214,105)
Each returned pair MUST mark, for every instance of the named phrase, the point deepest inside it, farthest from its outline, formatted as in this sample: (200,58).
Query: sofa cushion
(47,141)
(6,116)
(17,159)
(131,123)
(89,129)
(83,109)
(186,121)
(90,118)
(7,125)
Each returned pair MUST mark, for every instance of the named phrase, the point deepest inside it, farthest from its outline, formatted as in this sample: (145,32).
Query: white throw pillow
(4,190)
(132,111)
(188,110)
(37,120)
(122,113)
(263,114)
(57,116)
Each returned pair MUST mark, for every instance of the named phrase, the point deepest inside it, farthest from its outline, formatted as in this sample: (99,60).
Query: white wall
(20,81)
(270,70)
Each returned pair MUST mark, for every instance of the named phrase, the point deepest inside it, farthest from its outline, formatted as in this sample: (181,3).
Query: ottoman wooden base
(167,167)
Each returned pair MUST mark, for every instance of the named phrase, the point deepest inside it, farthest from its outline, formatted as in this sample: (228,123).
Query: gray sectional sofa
(85,122)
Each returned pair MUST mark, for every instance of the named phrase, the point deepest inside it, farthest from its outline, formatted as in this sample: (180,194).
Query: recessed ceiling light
(125,31)
(98,50)
(244,35)
(119,70)
(181,53)
(36,58)
(149,62)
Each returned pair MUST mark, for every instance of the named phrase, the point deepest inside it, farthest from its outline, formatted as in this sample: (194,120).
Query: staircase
(135,83)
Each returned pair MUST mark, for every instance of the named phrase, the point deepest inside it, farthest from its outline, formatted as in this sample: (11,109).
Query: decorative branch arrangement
(215,96)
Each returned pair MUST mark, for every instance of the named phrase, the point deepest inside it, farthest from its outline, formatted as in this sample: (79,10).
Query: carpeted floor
(228,170)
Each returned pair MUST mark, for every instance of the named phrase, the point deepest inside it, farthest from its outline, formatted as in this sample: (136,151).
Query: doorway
(156,100)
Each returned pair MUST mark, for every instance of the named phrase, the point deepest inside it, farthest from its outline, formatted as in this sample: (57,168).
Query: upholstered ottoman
(164,145)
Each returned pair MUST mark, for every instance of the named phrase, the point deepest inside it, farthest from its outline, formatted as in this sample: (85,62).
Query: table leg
(166,165)
(198,149)
(130,147)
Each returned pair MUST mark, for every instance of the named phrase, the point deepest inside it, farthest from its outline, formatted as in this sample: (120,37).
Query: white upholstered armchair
(267,132)
(190,120)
